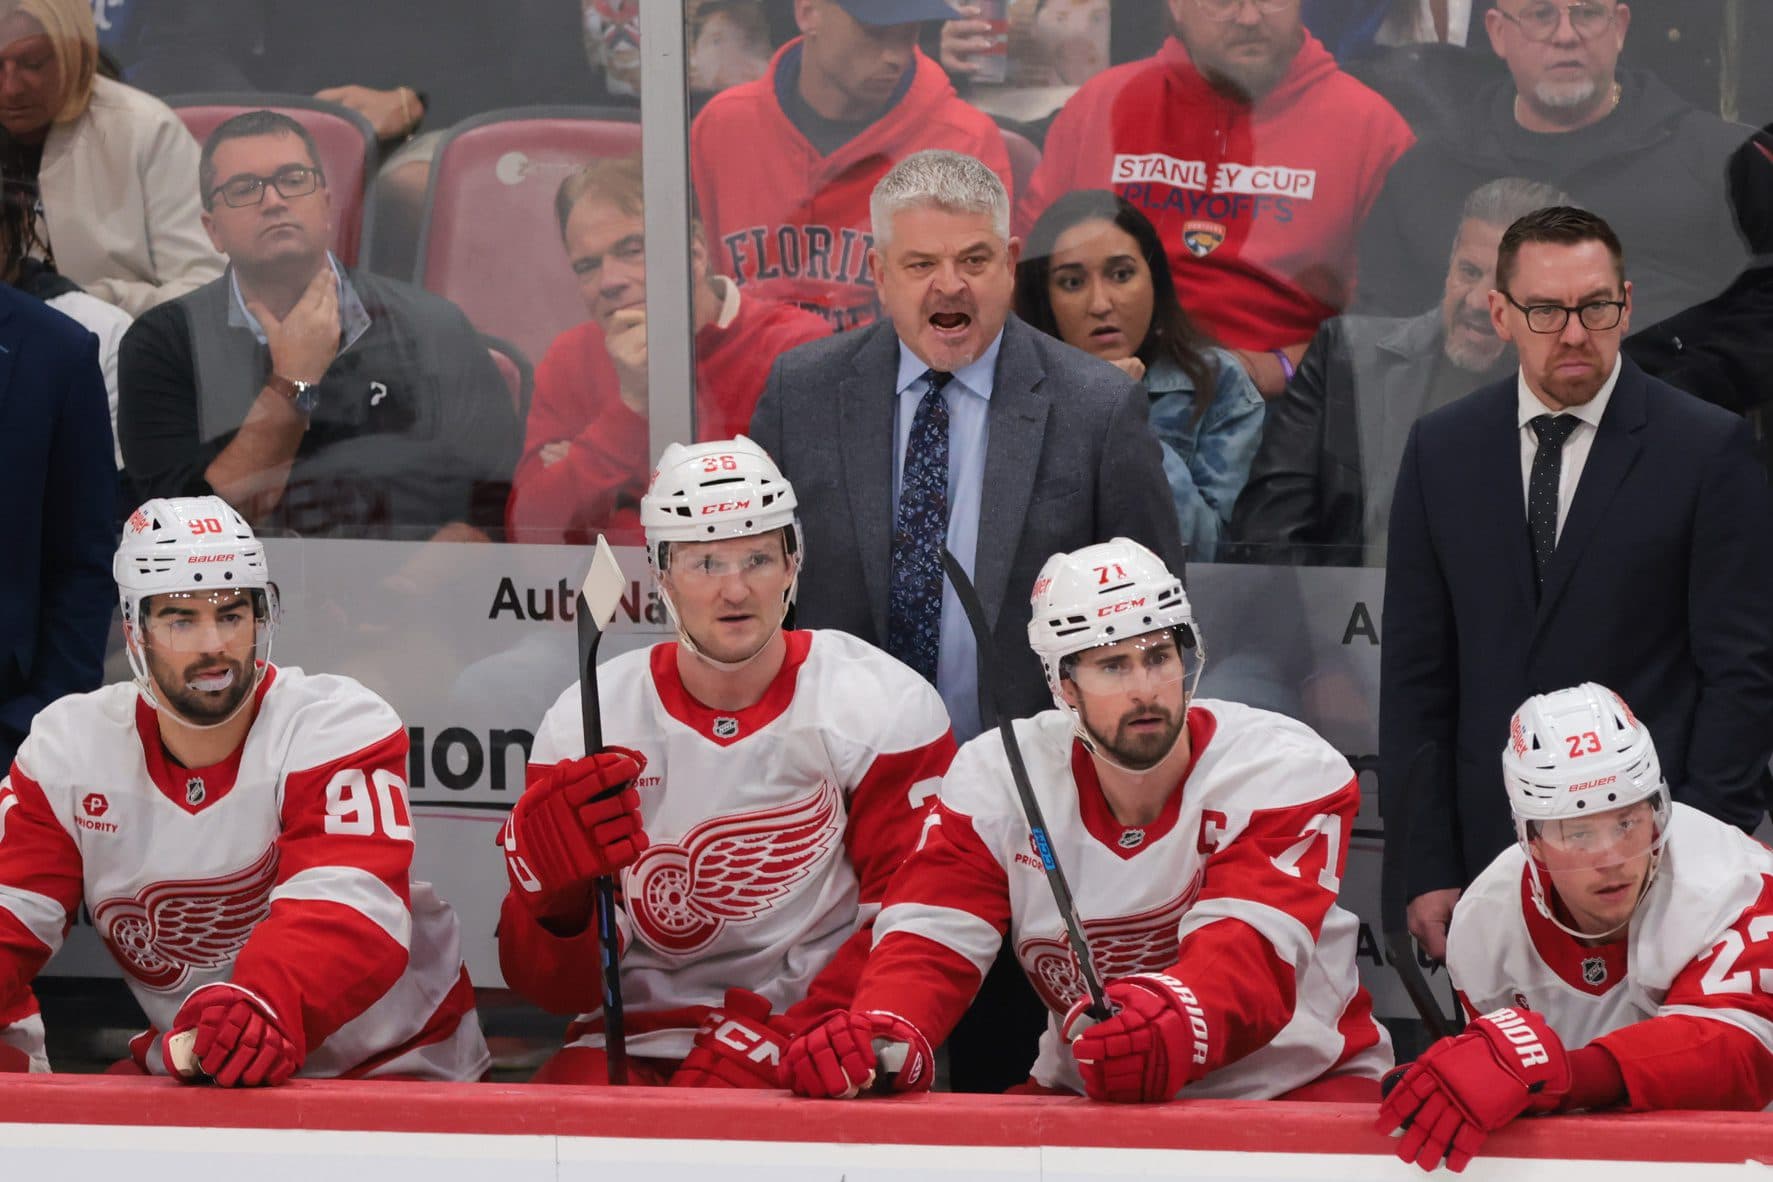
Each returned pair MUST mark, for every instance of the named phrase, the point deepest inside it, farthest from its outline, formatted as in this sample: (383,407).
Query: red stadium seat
(515,368)
(349,154)
(490,241)
(1024,159)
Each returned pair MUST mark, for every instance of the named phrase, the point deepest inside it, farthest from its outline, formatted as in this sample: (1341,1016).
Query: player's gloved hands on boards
(736,1047)
(579,822)
(239,1041)
(844,1053)
(1463,1089)
(1147,1052)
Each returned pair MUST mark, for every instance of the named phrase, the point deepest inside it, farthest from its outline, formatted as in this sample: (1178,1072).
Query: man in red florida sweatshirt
(584,464)
(783,166)
(1256,157)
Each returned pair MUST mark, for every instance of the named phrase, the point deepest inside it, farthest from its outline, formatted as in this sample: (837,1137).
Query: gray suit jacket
(1319,491)
(1071,461)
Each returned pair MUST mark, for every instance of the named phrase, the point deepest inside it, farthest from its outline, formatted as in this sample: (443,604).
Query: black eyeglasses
(1539,22)
(1598,316)
(1227,10)
(297,180)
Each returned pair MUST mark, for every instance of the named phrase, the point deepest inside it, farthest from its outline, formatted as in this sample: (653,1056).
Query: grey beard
(1566,96)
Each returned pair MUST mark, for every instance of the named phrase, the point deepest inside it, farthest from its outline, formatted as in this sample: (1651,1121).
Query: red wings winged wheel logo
(1120,945)
(728,870)
(170,928)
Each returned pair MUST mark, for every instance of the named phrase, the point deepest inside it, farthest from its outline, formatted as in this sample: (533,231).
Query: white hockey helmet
(1104,594)
(1574,754)
(189,545)
(707,492)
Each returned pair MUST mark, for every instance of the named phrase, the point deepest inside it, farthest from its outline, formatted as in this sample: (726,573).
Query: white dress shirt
(1576,448)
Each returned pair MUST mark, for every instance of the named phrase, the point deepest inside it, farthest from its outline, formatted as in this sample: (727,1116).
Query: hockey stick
(1424,768)
(1037,825)
(598,599)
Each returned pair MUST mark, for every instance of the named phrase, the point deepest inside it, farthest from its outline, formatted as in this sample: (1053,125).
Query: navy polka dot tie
(1542,486)
(914,604)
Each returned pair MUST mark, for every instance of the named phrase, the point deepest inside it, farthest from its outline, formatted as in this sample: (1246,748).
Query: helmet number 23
(1586,743)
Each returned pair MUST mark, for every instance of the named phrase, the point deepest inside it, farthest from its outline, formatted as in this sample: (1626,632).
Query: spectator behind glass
(1618,140)
(1093,274)
(1354,28)
(315,400)
(783,166)
(729,43)
(1069,38)
(584,463)
(1253,154)
(39,280)
(107,169)
(1320,489)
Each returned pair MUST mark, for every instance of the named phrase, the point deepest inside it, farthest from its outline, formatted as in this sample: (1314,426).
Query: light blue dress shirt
(969,401)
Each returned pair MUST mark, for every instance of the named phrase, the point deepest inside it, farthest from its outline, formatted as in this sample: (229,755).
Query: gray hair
(951,181)
(1504,201)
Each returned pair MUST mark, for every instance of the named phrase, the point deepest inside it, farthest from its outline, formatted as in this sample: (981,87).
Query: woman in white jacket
(111,170)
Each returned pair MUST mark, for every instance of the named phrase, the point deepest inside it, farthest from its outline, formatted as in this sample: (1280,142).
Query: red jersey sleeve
(40,883)
(1260,910)
(886,814)
(944,920)
(1711,1043)
(576,400)
(340,925)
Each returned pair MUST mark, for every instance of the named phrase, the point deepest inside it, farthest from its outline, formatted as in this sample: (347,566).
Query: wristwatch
(304,395)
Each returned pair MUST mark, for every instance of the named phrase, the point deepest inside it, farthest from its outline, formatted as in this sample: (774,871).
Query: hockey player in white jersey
(1203,842)
(1621,954)
(774,780)
(239,833)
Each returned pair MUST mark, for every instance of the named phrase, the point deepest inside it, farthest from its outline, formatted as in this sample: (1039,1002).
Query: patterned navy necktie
(1542,486)
(914,601)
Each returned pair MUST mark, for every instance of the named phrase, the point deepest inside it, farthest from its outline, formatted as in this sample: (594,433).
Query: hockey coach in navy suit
(1579,522)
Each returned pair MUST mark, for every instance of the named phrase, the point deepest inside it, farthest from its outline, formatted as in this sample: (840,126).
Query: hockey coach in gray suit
(952,422)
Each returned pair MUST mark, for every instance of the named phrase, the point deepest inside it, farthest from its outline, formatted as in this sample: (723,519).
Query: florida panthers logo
(1202,238)
(170,928)
(1141,943)
(729,870)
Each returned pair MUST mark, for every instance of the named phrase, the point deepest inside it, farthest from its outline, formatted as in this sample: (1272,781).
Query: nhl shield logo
(194,790)
(1594,970)
(1131,839)
(1202,238)
(726,728)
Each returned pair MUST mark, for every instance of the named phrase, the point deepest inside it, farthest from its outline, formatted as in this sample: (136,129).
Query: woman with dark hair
(1095,275)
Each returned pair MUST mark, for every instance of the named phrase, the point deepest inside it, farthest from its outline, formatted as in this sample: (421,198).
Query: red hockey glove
(1463,1089)
(837,1057)
(581,821)
(239,1040)
(735,1048)
(1148,1051)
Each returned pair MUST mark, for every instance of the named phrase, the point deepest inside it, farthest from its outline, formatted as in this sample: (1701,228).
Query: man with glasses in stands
(1617,140)
(314,399)
(1580,520)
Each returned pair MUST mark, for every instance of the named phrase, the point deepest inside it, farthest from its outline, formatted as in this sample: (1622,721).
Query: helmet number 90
(206,525)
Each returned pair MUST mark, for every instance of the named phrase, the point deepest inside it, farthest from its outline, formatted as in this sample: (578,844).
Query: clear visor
(756,559)
(1611,838)
(203,621)
(1145,664)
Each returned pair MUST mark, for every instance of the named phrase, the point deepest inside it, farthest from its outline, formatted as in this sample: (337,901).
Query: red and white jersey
(1683,1000)
(284,869)
(1231,890)
(773,831)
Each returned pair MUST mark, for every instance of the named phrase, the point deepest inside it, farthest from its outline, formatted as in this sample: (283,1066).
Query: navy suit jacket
(58,482)
(1661,588)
